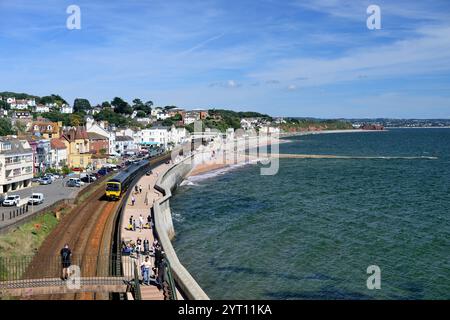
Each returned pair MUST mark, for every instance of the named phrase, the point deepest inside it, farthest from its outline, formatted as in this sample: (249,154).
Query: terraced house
(78,148)
(16,164)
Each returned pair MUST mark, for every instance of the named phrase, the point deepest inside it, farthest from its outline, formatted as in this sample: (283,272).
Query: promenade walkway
(142,206)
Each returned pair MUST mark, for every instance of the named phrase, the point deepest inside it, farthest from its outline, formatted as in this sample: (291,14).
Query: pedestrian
(141,222)
(145,269)
(149,219)
(138,247)
(65,261)
(136,189)
(133,200)
(134,225)
(146,247)
(158,257)
(140,189)
(160,275)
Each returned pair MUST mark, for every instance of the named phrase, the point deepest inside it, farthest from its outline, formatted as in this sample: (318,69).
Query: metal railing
(28,268)
(14,213)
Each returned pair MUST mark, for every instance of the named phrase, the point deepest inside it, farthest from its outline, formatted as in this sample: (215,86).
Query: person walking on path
(141,222)
(66,254)
(145,269)
(133,200)
(140,189)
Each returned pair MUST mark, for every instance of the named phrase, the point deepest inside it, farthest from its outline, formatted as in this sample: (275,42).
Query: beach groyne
(165,231)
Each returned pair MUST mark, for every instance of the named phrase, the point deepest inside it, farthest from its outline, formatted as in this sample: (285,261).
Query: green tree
(75,120)
(81,105)
(4,105)
(141,114)
(5,127)
(20,127)
(54,98)
(121,106)
(106,104)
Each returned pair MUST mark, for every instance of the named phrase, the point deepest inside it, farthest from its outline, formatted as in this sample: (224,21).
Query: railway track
(88,229)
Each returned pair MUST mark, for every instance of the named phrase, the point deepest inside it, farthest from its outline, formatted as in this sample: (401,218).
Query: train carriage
(119,184)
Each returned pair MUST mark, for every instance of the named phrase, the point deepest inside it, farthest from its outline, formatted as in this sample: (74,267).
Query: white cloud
(429,52)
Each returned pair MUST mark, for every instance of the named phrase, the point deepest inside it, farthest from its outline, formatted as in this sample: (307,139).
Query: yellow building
(76,140)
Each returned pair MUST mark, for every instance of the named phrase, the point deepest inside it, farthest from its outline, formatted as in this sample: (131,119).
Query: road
(52,193)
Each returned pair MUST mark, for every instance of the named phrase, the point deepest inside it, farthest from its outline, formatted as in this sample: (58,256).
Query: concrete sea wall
(166,183)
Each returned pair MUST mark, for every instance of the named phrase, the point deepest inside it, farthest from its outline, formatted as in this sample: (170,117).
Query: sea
(324,228)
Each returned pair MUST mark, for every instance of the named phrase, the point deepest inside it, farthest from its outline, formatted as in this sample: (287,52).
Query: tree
(20,127)
(137,103)
(121,106)
(106,104)
(4,105)
(5,127)
(54,98)
(75,120)
(81,105)
(141,114)
(113,118)
(145,107)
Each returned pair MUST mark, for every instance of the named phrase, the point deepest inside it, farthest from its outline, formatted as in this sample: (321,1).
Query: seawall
(165,231)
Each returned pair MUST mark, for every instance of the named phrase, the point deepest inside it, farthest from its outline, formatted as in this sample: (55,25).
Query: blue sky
(286,58)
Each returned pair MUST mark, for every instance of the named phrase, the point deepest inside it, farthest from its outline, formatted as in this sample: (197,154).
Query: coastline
(233,158)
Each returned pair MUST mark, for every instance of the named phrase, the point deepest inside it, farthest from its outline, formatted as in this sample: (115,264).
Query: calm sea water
(311,231)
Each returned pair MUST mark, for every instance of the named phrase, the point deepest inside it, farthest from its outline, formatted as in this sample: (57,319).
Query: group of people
(139,247)
(157,267)
(140,223)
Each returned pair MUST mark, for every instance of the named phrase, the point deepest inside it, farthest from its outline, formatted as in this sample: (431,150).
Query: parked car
(36,198)
(88,178)
(102,171)
(46,180)
(12,200)
(36,180)
(75,182)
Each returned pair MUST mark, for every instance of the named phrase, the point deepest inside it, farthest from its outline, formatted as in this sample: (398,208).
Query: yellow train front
(119,184)
(113,190)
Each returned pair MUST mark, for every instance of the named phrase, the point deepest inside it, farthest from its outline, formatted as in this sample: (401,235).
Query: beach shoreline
(233,158)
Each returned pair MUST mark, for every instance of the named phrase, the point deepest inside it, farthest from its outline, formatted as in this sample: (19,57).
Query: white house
(125,145)
(40,108)
(191,117)
(177,135)
(157,136)
(100,128)
(16,164)
(58,153)
(65,108)
(156,111)
(265,130)
(163,115)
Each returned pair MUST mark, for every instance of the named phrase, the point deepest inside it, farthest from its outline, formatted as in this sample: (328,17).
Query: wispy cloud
(258,54)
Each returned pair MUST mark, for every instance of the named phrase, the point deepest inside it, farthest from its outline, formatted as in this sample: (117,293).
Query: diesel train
(119,184)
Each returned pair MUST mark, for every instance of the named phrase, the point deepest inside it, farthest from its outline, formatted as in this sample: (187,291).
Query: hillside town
(41,136)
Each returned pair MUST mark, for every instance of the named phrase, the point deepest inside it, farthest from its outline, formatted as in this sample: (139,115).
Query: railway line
(88,229)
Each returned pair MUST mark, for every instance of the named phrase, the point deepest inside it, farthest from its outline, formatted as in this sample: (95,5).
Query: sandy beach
(224,156)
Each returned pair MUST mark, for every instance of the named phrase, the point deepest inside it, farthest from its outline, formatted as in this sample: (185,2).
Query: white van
(36,198)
